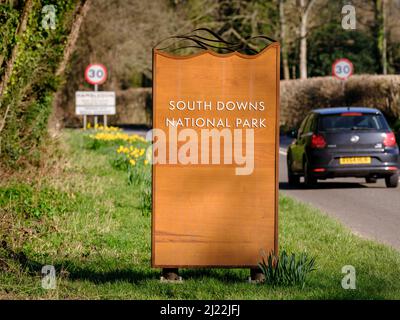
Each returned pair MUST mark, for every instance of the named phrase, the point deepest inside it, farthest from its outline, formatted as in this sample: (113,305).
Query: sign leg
(95,121)
(84,122)
(171,274)
(256,275)
(105,121)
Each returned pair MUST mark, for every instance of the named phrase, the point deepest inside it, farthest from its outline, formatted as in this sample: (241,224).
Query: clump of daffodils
(133,154)
(100,127)
(113,136)
(107,128)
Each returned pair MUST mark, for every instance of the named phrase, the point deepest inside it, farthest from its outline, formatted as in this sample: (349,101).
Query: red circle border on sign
(340,60)
(87,70)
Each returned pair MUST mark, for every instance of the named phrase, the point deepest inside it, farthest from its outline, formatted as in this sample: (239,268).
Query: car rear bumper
(361,172)
(325,164)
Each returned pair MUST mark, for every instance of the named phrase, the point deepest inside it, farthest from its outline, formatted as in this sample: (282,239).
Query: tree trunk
(380,33)
(384,37)
(80,13)
(305,11)
(285,60)
(303,41)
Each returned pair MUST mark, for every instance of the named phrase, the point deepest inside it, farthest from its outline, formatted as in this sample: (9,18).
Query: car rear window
(352,121)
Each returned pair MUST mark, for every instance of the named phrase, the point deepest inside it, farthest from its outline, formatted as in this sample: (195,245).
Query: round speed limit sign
(96,74)
(342,69)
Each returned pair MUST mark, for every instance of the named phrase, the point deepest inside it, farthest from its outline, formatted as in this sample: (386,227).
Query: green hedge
(375,91)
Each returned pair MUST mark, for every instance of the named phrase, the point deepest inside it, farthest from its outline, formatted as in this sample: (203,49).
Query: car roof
(346,109)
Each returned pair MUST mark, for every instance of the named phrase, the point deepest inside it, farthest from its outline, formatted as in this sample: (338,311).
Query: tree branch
(74,34)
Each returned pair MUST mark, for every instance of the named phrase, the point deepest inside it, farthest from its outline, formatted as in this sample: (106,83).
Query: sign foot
(170,275)
(256,275)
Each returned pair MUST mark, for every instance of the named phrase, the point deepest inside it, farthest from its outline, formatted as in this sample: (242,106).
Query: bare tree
(383,39)
(121,34)
(80,13)
(305,9)
(282,20)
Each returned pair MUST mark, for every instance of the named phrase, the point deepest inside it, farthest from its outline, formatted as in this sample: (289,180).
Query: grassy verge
(89,222)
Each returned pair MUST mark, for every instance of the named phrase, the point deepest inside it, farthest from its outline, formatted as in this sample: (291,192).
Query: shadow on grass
(138,275)
(77,272)
(322,185)
(314,289)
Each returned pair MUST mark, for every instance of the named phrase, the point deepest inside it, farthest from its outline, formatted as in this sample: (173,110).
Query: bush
(287,270)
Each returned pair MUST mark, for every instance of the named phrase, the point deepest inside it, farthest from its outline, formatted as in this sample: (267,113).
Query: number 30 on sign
(95,74)
(342,69)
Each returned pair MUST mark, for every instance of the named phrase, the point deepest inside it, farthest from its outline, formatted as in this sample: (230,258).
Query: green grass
(87,221)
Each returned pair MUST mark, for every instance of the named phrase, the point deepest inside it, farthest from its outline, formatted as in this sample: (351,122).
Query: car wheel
(392,181)
(309,179)
(370,180)
(292,178)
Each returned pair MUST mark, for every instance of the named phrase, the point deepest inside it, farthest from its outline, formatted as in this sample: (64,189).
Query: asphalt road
(369,210)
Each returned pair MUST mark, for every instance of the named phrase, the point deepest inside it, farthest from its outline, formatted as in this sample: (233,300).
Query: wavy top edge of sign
(215,54)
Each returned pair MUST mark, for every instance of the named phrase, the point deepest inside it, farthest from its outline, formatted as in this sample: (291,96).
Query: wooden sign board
(208,213)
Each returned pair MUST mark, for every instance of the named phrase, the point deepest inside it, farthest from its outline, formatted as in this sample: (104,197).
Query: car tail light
(318,141)
(390,139)
(319,170)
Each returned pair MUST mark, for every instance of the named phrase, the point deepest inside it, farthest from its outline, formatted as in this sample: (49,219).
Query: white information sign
(95,103)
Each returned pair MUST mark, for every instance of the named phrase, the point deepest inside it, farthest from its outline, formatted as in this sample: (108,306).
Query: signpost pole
(84,122)
(343,69)
(96,88)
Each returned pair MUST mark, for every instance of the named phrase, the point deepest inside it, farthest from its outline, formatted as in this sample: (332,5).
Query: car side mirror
(293,133)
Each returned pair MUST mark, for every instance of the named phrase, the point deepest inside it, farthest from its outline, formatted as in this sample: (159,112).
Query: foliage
(28,95)
(145,198)
(330,42)
(9,22)
(396,125)
(31,201)
(287,269)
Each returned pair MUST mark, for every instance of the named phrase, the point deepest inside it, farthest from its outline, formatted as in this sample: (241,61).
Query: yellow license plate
(355,160)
